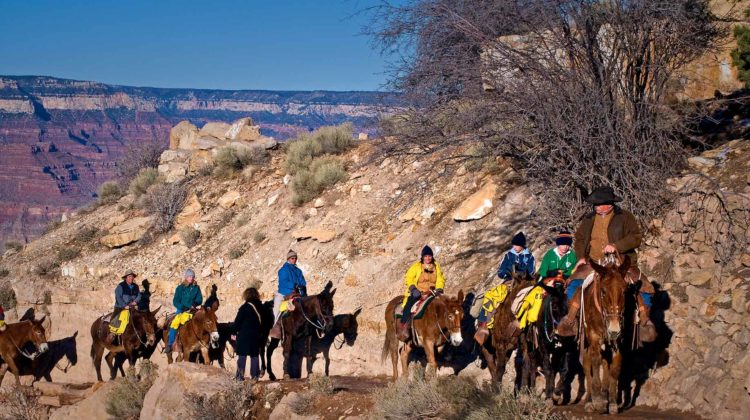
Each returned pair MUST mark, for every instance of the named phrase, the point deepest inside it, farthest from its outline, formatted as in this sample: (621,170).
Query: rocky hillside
(364,232)
(60,139)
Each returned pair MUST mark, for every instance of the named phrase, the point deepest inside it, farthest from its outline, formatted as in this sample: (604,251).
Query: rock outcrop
(477,205)
(127,232)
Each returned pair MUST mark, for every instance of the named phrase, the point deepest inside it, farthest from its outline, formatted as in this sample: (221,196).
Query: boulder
(243,129)
(216,130)
(183,136)
(363,136)
(173,171)
(167,397)
(208,143)
(174,156)
(127,232)
(319,202)
(190,214)
(477,205)
(199,160)
(229,199)
(320,235)
(93,407)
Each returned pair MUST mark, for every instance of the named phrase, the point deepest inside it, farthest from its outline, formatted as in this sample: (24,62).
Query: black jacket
(247,327)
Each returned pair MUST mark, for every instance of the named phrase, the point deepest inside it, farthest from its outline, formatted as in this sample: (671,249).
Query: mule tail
(386,353)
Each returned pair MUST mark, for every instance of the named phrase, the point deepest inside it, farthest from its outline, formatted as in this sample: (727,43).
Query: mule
(312,315)
(603,320)
(440,325)
(503,338)
(14,339)
(139,331)
(144,351)
(344,325)
(216,354)
(198,334)
(45,363)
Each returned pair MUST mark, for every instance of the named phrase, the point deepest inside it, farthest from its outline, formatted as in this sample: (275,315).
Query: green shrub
(109,192)
(321,385)
(7,296)
(741,54)
(232,403)
(165,202)
(230,160)
(259,237)
(125,400)
(190,236)
(324,172)
(14,245)
(236,252)
(67,253)
(325,140)
(145,178)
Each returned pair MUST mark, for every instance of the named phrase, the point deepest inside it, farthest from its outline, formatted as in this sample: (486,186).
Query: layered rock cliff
(60,139)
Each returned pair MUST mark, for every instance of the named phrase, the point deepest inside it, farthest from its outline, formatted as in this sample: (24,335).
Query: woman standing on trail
(246,331)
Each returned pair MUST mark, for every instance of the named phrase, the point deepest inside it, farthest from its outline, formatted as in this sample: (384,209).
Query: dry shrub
(323,173)
(7,296)
(190,236)
(236,252)
(165,202)
(4,272)
(259,237)
(86,234)
(67,253)
(46,267)
(21,403)
(125,400)
(232,403)
(452,397)
(14,245)
(321,385)
(242,220)
(108,193)
(302,403)
(325,140)
(137,156)
(230,160)
(141,182)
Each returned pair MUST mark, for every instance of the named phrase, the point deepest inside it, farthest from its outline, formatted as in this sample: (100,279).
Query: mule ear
(357,312)
(460,296)
(75,334)
(602,271)
(333,292)
(155,311)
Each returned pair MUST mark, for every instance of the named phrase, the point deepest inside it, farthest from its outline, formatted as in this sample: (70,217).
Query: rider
(145,302)
(518,259)
(422,277)
(212,298)
(127,296)
(608,229)
(2,319)
(291,280)
(187,297)
(560,258)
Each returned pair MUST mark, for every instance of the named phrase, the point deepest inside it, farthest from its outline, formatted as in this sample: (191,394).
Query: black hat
(519,239)
(564,238)
(602,195)
(427,251)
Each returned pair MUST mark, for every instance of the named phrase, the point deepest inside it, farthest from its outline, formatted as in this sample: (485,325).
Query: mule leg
(393,349)
(429,349)
(206,357)
(48,377)
(490,360)
(3,369)
(269,354)
(549,373)
(327,358)
(404,353)
(614,377)
(112,371)
(11,366)
(97,351)
(287,347)
(262,356)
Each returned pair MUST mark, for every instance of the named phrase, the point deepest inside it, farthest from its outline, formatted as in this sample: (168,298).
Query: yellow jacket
(492,299)
(412,278)
(528,313)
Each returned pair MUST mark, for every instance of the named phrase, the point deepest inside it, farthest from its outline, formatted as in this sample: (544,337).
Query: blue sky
(222,44)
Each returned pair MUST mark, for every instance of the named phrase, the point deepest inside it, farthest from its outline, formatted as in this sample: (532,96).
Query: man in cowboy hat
(607,230)
(127,296)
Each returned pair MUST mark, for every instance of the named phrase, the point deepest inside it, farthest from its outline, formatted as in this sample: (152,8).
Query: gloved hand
(438,291)
(414,292)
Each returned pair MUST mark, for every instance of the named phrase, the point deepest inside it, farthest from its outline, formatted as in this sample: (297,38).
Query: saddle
(419,307)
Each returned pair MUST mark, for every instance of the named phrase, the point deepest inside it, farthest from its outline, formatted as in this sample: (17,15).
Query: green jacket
(186,297)
(552,261)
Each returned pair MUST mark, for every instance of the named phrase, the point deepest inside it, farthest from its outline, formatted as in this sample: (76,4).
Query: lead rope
(319,328)
(27,355)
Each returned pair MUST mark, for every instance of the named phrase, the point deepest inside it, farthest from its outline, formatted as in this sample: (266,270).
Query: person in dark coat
(246,329)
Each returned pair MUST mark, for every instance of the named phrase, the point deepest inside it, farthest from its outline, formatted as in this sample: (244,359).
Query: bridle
(437,323)
(599,298)
(320,328)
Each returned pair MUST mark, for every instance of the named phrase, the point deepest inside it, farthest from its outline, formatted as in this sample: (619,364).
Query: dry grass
(236,252)
(145,179)
(233,403)
(67,253)
(108,193)
(125,401)
(324,141)
(230,160)
(323,173)
(320,384)
(259,237)
(13,245)
(21,403)
(190,236)
(7,296)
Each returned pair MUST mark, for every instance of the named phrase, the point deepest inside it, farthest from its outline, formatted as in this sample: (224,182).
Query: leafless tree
(573,93)
(139,155)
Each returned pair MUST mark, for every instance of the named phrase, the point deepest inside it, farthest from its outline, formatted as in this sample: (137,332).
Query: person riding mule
(519,261)
(187,297)
(291,283)
(127,297)
(608,230)
(422,277)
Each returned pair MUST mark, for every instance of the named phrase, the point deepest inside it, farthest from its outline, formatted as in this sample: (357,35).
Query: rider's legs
(567,326)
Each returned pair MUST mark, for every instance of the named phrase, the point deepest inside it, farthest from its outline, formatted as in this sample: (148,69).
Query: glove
(438,291)
(414,292)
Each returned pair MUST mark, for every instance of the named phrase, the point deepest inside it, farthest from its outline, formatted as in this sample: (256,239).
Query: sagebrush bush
(125,400)
(67,253)
(14,245)
(165,202)
(141,182)
(4,272)
(230,160)
(323,173)
(86,234)
(7,296)
(139,155)
(325,140)
(229,404)
(259,237)
(46,267)
(190,236)
(321,384)
(108,193)
(21,403)
(451,397)
(236,252)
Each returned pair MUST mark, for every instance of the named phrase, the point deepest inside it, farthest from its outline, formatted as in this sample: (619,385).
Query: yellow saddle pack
(124,318)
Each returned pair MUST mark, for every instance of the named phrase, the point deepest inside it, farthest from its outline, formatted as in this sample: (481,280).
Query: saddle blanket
(419,308)
(124,318)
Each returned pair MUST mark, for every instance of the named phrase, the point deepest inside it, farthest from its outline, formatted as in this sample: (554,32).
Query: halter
(200,341)
(437,323)
(319,327)
(26,355)
(132,325)
(599,297)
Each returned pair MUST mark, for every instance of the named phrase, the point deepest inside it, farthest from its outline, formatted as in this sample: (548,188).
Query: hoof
(271,376)
(286,376)
(549,402)
(588,407)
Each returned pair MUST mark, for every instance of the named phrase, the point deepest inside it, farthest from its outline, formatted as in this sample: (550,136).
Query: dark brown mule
(42,366)
(139,331)
(440,325)
(603,320)
(144,351)
(14,340)
(198,334)
(343,324)
(312,315)
(503,338)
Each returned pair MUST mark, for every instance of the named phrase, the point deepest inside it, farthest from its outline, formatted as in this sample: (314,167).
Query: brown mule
(198,334)
(603,312)
(139,331)
(13,340)
(440,325)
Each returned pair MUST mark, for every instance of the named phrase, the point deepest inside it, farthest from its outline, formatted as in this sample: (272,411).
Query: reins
(319,327)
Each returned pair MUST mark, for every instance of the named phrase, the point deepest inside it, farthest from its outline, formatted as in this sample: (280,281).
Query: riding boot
(646,328)
(568,325)
(482,333)
(403,332)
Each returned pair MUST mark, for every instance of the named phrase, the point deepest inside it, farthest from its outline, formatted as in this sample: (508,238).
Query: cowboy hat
(602,195)
(129,273)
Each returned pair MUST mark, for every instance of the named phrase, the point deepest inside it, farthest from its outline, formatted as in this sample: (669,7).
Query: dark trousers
(406,315)
(254,367)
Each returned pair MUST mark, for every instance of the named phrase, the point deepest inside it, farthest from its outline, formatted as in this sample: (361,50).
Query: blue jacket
(523,261)
(125,294)
(186,297)
(290,276)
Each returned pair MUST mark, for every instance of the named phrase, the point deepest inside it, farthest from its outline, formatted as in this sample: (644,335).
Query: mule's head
(454,313)
(611,294)
(348,326)
(37,335)
(70,348)
(209,324)
(144,326)
(325,303)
